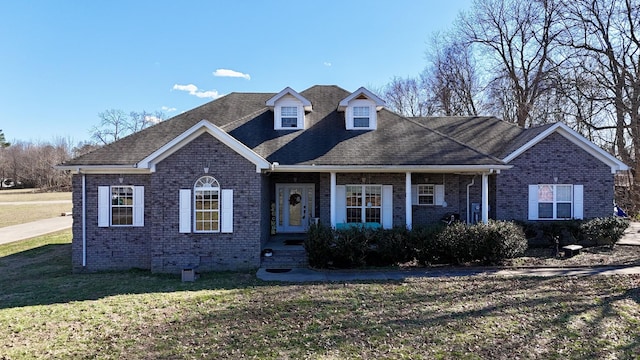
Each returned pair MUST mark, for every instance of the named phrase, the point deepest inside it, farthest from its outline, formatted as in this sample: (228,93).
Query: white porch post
(485,198)
(332,201)
(408,210)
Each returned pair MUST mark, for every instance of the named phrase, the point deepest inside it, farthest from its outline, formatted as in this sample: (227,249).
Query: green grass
(47,312)
(11,214)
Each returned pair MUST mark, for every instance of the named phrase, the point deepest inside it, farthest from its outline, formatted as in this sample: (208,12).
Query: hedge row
(458,243)
(455,244)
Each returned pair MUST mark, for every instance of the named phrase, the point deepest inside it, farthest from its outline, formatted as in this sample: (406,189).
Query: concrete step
(285,259)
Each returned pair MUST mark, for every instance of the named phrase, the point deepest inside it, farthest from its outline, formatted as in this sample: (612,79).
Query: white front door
(294,207)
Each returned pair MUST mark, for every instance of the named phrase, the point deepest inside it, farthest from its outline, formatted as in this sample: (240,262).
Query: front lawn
(47,312)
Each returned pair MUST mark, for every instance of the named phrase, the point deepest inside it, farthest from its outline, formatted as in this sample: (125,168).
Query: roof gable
(198,129)
(289,91)
(571,135)
(360,94)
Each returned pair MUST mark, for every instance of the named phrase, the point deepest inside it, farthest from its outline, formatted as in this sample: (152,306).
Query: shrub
(489,243)
(604,231)
(425,246)
(389,247)
(349,248)
(499,240)
(318,245)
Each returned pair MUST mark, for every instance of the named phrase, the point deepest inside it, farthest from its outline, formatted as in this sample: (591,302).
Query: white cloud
(326,63)
(231,73)
(152,119)
(193,90)
(168,109)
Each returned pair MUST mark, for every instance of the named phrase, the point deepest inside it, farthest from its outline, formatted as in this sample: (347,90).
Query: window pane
(545,210)
(360,111)
(545,193)
(564,211)
(289,111)
(354,215)
(373,196)
(426,195)
(361,122)
(206,204)
(563,193)
(289,122)
(372,215)
(122,216)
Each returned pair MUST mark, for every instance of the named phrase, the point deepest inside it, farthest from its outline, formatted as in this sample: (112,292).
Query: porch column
(485,198)
(332,201)
(408,210)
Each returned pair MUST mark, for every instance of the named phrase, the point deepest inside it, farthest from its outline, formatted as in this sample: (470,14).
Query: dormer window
(361,110)
(289,117)
(289,110)
(360,116)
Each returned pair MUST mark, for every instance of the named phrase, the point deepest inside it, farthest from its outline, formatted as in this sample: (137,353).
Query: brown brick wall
(554,156)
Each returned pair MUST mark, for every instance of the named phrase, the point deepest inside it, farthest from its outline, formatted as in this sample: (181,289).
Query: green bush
(425,245)
(318,245)
(604,231)
(390,247)
(488,243)
(349,248)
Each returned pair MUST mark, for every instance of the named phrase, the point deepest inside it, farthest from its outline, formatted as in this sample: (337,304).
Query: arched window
(206,197)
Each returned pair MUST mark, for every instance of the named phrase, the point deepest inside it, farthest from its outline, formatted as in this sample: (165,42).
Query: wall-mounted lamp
(555,179)
(206,169)
(120,179)
(364,179)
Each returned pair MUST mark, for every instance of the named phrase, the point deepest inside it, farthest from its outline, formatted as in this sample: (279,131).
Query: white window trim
(577,202)
(288,102)
(349,114)
(105,206)
(386,216)
(211,185)
(438,194)
(186,211)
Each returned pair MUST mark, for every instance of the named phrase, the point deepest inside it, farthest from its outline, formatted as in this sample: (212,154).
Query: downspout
(473,181)
(84,221)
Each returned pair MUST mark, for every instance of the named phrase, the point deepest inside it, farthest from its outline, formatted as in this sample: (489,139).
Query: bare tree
(451,78)
(607,35)
(406,96)
(116,124)
(517,38)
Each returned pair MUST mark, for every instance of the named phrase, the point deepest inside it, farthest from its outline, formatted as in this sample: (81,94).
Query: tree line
(532,62)
(31,164)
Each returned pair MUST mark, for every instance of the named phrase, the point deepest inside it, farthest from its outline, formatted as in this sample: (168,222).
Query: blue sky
(62,62)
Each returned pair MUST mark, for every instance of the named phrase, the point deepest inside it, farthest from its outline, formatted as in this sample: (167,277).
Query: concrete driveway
(36,228)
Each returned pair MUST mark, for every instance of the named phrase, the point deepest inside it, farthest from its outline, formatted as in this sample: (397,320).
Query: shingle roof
(325,141)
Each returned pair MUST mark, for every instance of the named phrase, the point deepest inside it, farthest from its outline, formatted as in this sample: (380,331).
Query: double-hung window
(289,116)
(426,194)
(206,194)
(555,202)
(206,208)
(364,203)
(360,116)
(121,205)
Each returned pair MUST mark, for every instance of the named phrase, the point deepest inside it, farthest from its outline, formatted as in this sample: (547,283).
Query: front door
(294,207)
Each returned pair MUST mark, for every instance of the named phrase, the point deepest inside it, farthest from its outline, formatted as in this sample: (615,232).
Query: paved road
(37,228)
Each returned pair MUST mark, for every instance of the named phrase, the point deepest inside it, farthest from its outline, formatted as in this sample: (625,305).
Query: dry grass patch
(20,214)
(46,312)
(32,195)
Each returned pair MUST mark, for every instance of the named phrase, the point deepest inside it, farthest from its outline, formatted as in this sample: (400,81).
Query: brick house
(209,187)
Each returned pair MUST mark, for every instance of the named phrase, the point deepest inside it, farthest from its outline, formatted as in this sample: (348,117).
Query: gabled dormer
(361,110)
(289,109)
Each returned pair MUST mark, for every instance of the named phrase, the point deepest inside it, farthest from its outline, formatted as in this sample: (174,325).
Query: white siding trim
(439,194)
(104,206)
(341,204)
(533,202)
(578,201)
(185,211)
(138,206)
(226,213)
(387,206)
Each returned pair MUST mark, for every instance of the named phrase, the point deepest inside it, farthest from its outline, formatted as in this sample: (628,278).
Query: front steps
(287,252)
